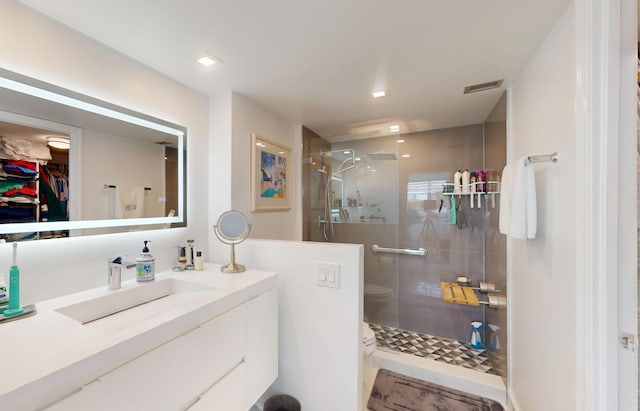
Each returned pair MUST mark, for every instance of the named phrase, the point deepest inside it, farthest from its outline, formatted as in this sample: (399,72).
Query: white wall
(233,118)
(120,161)
(36,46)
(218,175)
(320,328)
(248,117)
(542,272)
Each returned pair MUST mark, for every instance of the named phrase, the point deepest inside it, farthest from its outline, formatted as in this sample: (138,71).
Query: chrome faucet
(114,275)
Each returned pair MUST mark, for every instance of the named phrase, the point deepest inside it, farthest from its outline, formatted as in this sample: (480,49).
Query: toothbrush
(14,287)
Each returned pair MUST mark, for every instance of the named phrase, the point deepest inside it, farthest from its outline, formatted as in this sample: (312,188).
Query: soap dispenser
(145,265)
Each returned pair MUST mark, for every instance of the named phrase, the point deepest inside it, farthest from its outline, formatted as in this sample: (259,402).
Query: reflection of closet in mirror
(113,150)
(34,175)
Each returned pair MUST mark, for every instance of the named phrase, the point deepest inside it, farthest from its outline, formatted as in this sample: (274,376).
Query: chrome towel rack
(407,251)
(553,158)
(114,186)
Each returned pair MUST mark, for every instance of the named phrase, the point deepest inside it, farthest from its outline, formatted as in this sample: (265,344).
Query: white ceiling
(316,62)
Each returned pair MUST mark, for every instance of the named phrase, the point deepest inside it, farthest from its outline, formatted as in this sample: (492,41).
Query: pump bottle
(145,265)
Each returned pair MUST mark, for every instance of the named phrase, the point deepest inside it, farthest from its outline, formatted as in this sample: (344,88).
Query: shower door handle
(407,251)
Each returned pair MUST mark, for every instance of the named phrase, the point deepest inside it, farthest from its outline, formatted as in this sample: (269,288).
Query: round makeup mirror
(232,228)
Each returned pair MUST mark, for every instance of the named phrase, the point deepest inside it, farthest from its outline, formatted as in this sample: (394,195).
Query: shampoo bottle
(466,176)
(145,265)
(457,182)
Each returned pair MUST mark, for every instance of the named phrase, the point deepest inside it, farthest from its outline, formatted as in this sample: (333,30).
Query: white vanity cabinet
(173,376)
(226,363)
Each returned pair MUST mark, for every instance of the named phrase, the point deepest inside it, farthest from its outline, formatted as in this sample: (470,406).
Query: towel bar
(114,186)
(553,157)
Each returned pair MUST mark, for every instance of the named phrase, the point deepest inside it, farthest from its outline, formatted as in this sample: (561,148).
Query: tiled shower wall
(313,183)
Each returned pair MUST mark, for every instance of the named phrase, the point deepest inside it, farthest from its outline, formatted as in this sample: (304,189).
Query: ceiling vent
(482,86)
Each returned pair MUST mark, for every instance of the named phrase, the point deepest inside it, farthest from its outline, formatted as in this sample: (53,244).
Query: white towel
(129,202)
(518,212)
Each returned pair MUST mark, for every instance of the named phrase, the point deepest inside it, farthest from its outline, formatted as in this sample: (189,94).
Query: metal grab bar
(408,251)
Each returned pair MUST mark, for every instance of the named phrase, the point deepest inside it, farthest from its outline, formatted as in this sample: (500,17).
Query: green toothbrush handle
(14,288)
(14,308)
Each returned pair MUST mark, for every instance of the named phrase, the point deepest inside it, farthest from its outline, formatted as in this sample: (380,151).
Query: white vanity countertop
(47,353)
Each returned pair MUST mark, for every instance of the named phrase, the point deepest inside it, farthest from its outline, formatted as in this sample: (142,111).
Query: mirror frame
(38,89)
(235,240)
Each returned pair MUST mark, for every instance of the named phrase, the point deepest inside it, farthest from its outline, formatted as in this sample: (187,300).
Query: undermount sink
(160,291)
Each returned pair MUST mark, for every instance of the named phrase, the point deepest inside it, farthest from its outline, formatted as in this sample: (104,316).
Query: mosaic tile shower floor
(436,348)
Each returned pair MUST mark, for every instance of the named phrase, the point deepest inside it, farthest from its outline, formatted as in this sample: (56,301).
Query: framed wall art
(270,175)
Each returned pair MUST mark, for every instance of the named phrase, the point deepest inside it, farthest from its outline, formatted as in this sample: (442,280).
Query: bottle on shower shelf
(466,189)
(476,340)
(472,181)
(457,182)
(490,181)
(482,178)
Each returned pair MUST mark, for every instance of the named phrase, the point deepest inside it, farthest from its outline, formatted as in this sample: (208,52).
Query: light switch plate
(328,274)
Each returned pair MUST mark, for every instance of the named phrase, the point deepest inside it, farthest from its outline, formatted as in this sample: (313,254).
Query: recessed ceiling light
(208,59)
(399,140)
(378,94)
(406,155)
(394,128)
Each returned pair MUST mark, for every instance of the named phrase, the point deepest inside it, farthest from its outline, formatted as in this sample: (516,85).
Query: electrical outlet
(328,274)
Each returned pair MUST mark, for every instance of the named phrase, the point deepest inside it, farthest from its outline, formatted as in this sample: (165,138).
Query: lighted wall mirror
(73,165)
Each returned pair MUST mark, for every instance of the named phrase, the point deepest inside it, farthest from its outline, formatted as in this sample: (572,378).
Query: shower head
(348,163)
(382,156)
(343,167)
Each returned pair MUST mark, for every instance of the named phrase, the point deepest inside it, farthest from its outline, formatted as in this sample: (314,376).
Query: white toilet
(368,340)
(377,291)
(377,298)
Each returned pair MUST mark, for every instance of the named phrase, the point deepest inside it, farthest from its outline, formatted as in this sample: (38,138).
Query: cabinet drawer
(173,375)
(262,344)
(227,395)
(87,399)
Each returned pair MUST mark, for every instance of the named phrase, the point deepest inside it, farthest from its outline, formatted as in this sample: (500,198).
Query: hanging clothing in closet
(54,195)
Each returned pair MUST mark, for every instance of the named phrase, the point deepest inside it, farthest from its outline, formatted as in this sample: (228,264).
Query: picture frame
(270,175)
